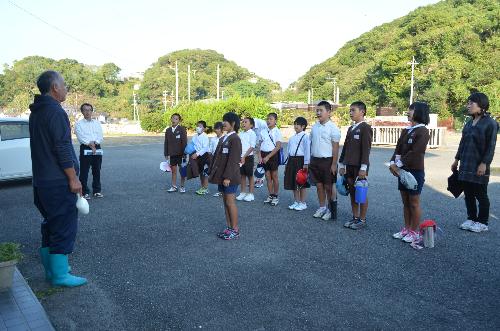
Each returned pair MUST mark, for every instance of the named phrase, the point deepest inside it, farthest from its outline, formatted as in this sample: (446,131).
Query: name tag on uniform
(225,150)
(178,136)
(410,141)
(356,136)
(89,152)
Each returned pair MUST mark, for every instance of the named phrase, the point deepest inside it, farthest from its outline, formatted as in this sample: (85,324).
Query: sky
(278,40)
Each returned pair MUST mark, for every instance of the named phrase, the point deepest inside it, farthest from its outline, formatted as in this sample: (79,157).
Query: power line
(60,30)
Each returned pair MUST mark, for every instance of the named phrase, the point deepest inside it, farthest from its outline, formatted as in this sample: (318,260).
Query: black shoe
(333,209)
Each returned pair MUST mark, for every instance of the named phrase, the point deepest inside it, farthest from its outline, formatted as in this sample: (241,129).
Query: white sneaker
(320,212)
(327,215)
(217,194)
(411,237)
(241,196)
(268,199)
(301,206)
(249,197)
(478,227)
(467,225)
(293,205)
(274,201)
(401,234)
(182,189)
(172,189)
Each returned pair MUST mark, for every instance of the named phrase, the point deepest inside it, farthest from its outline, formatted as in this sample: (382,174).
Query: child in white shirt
(248,141)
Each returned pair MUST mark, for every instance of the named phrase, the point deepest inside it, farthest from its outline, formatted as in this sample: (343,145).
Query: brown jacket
(175,142)
(411,146)
(357,145)
(226,162)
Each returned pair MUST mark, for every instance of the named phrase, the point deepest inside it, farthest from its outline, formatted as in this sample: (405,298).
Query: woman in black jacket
(475,154)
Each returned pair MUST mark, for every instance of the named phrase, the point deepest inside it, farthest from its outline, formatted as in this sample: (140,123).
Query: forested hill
(233,78)
(456,43)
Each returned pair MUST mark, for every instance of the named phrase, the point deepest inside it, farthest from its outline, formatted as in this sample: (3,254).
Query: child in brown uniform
(355,160)
(409,155)
(225,172)
(175,142)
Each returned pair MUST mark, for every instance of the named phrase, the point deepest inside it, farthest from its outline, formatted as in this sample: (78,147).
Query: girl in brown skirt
(299,153)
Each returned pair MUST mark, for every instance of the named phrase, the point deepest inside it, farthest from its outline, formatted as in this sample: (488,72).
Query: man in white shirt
(89,134)
(325,138)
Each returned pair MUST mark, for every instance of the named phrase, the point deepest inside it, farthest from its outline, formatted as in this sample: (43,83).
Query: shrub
(153,122)
(10,251)
(212,112)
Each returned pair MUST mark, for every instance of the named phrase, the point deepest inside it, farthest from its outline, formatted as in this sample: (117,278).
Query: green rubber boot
(60,272)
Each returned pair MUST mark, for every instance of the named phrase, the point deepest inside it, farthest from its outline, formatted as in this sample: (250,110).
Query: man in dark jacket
(55,178)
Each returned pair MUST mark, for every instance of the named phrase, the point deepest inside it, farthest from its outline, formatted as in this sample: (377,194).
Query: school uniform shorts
(419,177)
(247,168)
(320,170)
(231,189)
(273,163)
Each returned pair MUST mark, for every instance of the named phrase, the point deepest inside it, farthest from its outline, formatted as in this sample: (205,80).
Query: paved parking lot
(154,262)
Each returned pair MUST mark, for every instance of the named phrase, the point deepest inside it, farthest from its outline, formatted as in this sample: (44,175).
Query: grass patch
(43,294)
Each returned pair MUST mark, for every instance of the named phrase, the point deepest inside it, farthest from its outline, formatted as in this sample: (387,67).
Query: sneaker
(268,199)
(249,197)
(293,205)
(274,201)
(320,212)
(202,191)
(226,231)
(233,234)
(217,194)
(478,227)
(411,236)
(86,196)
(358,224)
(350,222)
(327,215)
(182,189)
(301,206)
(98,195)
(241,196)
(467,225)
(401,234)
(259,183)
(172,189)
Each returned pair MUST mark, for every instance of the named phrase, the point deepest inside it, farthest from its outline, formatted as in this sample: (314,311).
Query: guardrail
(389,135)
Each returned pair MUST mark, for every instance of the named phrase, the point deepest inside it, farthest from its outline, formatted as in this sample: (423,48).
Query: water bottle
(361,191)
(428,228)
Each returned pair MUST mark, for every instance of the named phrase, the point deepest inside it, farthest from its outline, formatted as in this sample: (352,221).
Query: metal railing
(389,135)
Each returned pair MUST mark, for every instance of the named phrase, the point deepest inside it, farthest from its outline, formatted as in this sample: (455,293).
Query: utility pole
(135,108)
(218,81)
(309,96)
(413,64)
(165,100)
(334,79)
(338,96)
(189,82)
(176,84)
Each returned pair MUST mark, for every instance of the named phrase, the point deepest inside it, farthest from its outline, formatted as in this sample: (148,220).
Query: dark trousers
(86,162)
(479,192)
(60,218)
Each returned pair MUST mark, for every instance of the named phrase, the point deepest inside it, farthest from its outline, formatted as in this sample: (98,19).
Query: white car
(15,153)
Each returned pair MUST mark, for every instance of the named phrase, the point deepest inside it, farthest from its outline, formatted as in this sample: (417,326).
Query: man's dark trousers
(86,162)
(57,205)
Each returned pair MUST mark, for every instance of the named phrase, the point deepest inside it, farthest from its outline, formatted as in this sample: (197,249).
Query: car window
(11,131)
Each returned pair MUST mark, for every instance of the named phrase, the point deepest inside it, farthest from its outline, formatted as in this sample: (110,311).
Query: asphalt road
(154,263)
